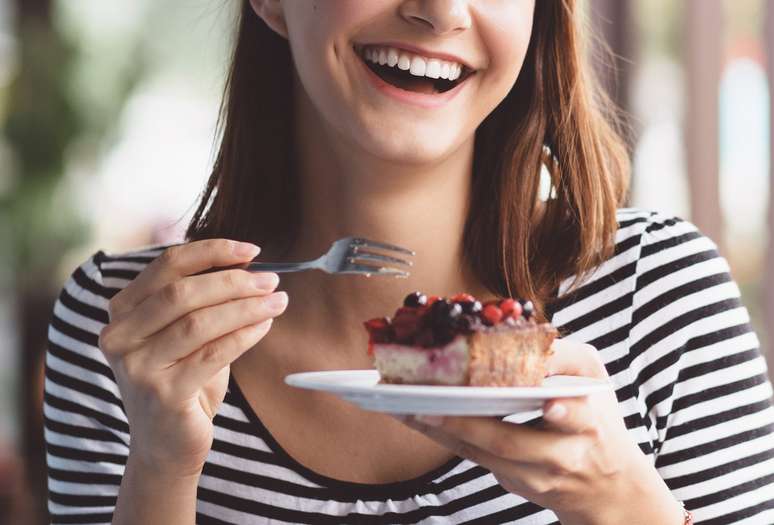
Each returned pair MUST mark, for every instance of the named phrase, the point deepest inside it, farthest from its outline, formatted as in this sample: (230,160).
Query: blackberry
(415,299)
(471,307)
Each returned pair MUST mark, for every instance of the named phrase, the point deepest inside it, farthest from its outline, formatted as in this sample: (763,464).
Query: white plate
(361,388)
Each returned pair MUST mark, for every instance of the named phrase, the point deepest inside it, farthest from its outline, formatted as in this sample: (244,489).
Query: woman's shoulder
(104,273)
(650,240)
(74,362)
(651,247)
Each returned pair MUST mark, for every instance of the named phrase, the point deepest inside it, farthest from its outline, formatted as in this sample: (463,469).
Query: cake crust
(517,357)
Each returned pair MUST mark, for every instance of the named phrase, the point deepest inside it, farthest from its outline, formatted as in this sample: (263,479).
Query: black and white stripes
(663,313)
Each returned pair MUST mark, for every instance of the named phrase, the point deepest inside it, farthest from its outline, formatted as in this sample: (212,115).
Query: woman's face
(406,80)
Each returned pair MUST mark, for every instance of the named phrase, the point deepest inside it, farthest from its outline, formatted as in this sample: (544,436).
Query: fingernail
(245,249)
(556,412)
(265,281)
(277,302)
(431,421)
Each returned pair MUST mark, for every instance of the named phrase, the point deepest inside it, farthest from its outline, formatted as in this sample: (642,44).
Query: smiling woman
(426,124)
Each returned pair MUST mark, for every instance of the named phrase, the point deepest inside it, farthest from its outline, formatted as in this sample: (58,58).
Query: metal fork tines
(350,255)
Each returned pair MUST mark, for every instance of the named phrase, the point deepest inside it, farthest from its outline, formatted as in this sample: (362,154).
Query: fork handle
(280,267)
(265,267)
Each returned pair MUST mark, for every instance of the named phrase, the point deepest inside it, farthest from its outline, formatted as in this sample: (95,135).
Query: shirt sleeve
(700,377)
(86,428)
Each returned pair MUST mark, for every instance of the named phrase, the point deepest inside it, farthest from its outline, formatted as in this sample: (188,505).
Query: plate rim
(305,380)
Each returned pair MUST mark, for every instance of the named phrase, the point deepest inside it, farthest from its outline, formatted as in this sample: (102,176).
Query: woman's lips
(425,100)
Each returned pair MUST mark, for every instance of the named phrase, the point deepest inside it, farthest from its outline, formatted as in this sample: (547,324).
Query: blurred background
(107,120)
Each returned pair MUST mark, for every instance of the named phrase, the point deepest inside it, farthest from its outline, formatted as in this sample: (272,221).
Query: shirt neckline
(394,490)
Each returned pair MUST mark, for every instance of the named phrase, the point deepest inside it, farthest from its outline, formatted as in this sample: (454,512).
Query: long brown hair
(555,116)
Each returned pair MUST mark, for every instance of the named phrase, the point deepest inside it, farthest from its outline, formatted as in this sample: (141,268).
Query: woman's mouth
(413,72)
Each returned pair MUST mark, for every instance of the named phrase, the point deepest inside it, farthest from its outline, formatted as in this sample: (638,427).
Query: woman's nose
(441,16)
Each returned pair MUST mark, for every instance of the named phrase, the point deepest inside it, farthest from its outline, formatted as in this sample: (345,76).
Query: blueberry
(471,307)
(443,312)
(415,299)
(527,309)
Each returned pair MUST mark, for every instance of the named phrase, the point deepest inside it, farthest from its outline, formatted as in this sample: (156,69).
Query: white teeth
(433,68)
(392,57)
(417,65)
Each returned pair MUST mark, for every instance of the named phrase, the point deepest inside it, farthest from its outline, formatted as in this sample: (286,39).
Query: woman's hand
(581,462)
(171,338)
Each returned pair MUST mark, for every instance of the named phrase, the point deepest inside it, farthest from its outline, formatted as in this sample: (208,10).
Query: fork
(348,255)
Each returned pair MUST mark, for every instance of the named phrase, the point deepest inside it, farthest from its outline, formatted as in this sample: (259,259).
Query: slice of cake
(460,341)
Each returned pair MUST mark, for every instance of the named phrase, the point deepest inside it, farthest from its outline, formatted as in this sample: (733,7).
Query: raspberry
(511,307)
(492,314)
(506,305)
(379,330)
(431,299)
(406,310)
(463,297)
(378,323)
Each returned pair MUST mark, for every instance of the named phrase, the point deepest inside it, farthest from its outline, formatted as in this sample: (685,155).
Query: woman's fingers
(575,359)
(571,415)
(176,262)
(198,328)
(192,293)
(502,439)
(190,373)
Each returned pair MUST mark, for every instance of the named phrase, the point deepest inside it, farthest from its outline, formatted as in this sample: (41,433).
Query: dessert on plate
(460,341)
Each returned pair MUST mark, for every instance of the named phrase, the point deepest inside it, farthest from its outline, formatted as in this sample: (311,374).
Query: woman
(337,122)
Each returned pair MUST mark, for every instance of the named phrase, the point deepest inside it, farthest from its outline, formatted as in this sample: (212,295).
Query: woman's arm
(701,381)
(86,428)
(150,496)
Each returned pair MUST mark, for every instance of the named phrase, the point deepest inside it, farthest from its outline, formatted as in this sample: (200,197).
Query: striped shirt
(663,313)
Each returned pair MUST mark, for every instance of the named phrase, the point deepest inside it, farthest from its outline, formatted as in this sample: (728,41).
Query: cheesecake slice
(460,341)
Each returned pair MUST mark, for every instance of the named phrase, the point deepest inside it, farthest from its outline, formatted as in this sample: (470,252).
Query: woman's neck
(345,191)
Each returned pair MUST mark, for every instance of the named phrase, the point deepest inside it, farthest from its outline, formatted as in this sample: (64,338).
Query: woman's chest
(337,440)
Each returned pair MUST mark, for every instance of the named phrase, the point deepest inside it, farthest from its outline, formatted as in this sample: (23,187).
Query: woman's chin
(406,146)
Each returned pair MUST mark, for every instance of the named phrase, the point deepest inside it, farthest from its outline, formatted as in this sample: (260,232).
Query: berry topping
(506,305)
(379,330)
(463,297)
(511,308)
(415,299)
(528,310)
(492,314)
(468,323)
(425,338)
(471,307)
(432,321)
(406,324)
(443,311)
